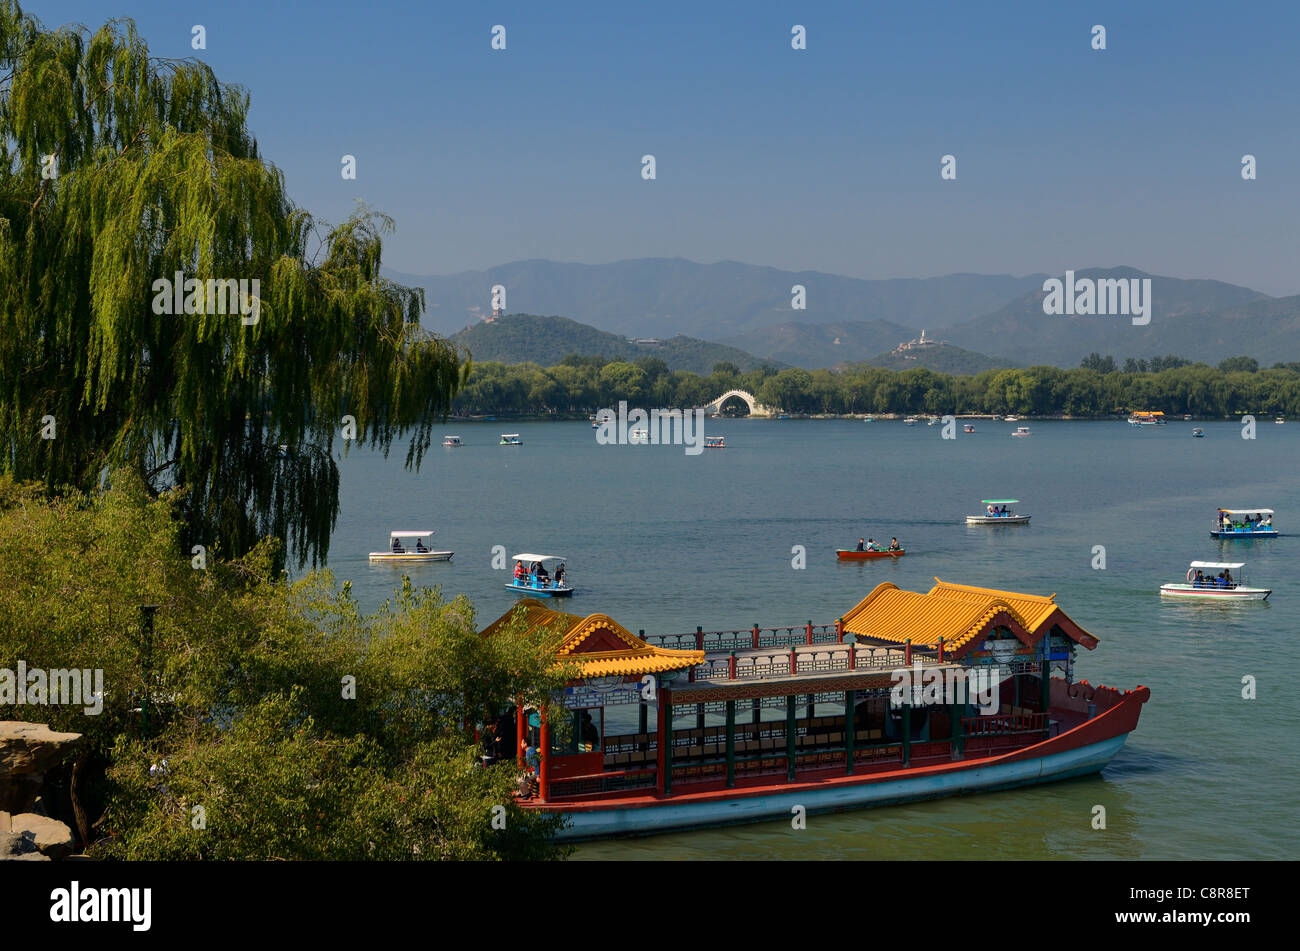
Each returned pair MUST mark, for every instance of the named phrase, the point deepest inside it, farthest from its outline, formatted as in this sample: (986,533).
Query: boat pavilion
(760,706)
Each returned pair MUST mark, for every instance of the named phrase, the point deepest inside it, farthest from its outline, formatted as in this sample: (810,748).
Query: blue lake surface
(664,541)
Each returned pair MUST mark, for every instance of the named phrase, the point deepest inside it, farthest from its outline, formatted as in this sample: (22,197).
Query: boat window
(583,732)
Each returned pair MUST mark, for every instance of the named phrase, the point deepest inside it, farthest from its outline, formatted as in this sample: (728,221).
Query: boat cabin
(510,439)
(540,575)
(905,683)
(1244,523)
(998,512)
(410,546)
(1147,418)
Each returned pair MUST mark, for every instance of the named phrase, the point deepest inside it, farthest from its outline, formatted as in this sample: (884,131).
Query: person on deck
(419,545)
(894,546)
(397,547)
(1227,578)
(542,576)
(559,575)
(519,572)
(861,544)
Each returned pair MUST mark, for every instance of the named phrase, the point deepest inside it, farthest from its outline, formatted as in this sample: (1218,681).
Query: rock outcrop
(27,752)
(16,847)
(52,838)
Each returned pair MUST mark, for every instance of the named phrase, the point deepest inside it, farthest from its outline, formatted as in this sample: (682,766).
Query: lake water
(664,541)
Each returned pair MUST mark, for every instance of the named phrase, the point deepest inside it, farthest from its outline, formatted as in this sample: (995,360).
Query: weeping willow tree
(129,184)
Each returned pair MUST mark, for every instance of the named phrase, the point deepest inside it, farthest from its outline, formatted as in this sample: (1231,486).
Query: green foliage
(274,785)
(1239,365)
(245,677)
(1169,383)
(157,173)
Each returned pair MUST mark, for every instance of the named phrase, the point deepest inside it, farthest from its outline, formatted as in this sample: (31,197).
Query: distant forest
(1097,388)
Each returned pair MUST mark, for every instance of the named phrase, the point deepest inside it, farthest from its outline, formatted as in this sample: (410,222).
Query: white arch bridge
(755,407)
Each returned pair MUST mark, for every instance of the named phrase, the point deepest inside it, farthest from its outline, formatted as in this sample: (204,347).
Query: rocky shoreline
(27,752)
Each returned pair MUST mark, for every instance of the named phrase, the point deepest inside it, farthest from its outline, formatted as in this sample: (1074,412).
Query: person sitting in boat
(1199,580)
(1227,578)
(1004,511)
(894,546)
(559,575)
(397,547)
(871,545)
(993,510)
(861,545)
(542,576)
(519,572)
(419,545)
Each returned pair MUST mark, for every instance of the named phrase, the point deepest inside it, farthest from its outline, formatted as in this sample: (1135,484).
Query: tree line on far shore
(1097,388)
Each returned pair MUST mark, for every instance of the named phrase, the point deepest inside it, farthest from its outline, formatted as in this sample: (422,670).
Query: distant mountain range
(987,319)
(1199,320)
(660,297)
(823,345)
(525,338)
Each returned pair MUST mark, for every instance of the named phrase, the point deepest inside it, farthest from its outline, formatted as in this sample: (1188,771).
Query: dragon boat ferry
(908,696)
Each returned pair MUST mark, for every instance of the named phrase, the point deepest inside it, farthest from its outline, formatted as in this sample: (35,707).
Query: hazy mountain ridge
(665,296)
(1193,318)
(746,307)
(812,346)
(527,338)
(942,358)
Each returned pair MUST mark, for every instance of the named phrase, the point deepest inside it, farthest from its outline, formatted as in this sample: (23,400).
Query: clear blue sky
(825,159)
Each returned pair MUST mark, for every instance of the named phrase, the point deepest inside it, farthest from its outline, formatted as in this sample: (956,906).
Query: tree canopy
(303,727)
(119,170)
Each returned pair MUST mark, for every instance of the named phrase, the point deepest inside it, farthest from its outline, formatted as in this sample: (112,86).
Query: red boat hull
(848,554)
(1102,717)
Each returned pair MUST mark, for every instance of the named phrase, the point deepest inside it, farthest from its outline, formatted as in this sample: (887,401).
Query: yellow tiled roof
(959,614)
(1034,609)
(570,631)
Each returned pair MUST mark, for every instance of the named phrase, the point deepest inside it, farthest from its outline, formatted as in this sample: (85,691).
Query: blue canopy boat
(536,583)
(1244,523)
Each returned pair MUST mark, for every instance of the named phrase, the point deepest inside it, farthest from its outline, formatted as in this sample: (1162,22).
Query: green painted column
(789,736)
(850,729)
(731,743)
(668,747)
(1045,701)
(907,733)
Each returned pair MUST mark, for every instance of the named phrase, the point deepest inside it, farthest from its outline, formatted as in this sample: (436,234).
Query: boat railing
(1004,724)
(794,663)
(720,642)
(611,781)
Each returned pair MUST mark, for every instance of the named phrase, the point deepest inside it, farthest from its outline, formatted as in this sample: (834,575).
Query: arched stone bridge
(755,407)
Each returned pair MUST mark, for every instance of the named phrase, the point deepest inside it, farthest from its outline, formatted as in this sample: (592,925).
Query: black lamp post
(146,658)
